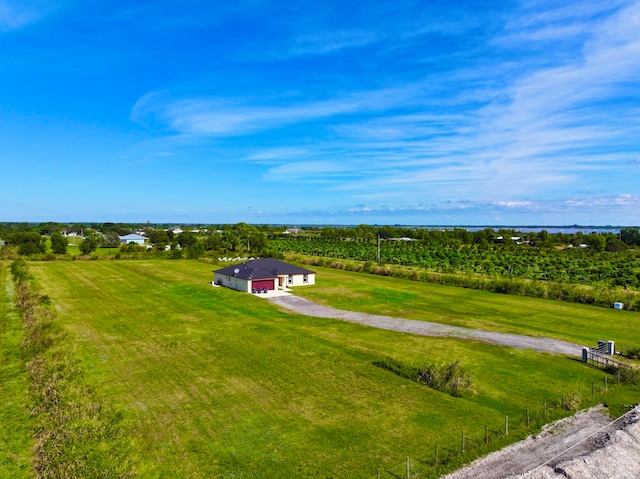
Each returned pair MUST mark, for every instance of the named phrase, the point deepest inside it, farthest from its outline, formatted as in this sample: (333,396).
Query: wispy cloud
(492,138)
(18,14)
(321,43)
(241,116)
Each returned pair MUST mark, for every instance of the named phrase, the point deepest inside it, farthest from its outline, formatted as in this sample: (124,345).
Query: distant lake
(538,229)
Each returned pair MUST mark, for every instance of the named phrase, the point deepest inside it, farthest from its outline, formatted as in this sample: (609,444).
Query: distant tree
(158,238)
(596,242)
(630,236)
(615,245)
(196,250)
(187,239)
(111,240)
(213,242)
(59,243)
(543,239)
(48,228)
(91,242)
(250,237)
(176,252)
(27,242)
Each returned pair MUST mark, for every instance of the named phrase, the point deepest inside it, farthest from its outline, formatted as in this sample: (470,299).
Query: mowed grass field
(217,383)
(581,324)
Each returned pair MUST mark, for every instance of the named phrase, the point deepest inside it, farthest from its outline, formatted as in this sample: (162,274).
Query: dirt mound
(585,446)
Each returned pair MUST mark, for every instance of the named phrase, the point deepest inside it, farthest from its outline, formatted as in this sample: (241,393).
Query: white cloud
(497,136)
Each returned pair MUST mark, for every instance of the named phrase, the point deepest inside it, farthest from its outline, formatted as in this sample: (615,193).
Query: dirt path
(426,328)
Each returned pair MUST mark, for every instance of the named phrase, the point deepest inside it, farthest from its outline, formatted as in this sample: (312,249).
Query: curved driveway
(426,328)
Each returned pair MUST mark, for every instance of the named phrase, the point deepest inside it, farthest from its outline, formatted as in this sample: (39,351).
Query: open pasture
(217,383)
(581,324)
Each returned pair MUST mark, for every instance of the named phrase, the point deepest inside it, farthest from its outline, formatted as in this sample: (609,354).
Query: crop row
(569,265)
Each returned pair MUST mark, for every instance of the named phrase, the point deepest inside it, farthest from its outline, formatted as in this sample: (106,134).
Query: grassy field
(577,323)
(216,383)
(15,432)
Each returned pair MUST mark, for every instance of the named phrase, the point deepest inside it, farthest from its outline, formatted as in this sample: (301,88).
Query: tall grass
(16,440)
(77,434)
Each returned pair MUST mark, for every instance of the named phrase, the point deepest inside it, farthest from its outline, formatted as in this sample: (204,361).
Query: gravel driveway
(426,328)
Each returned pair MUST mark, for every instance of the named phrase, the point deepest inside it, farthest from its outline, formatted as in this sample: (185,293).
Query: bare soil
(587,445)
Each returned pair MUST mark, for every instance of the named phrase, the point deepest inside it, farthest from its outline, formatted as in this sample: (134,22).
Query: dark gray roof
(262,268)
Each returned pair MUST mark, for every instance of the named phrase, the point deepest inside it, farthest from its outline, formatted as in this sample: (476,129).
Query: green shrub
(450,378)
(633,353)
(629,375)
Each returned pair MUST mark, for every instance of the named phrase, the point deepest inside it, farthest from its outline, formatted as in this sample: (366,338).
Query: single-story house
(263,273)
(132,238)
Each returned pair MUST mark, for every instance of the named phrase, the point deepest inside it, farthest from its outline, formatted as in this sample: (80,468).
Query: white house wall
(231,282)
(298,280)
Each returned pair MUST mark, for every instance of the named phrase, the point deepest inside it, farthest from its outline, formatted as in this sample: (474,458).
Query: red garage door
(263,283)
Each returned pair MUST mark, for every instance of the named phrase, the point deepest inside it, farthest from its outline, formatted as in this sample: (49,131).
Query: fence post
(378,473)
(606,387)
(544,408)
(407,467)
(435,456)
(593,390)
(506,425)
(562,406)
(486,434)
(462,443)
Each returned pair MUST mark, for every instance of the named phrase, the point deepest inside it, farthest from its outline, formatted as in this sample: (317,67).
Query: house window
(305,278)
(290,279)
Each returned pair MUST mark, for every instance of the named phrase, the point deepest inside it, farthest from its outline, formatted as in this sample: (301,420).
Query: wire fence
(482,438)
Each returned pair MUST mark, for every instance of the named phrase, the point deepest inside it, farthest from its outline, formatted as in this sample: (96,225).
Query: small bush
(629,375)
(633,353)
(450,378)
(571,401)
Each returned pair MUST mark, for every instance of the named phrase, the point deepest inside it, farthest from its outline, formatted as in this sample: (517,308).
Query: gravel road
(584,446)
(426,328)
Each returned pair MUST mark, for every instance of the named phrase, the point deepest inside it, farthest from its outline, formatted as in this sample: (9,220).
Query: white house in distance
(263,273)
(132,238)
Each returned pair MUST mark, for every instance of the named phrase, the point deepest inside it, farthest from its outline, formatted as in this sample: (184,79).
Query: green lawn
(216,383)
(577,323)
(15,429)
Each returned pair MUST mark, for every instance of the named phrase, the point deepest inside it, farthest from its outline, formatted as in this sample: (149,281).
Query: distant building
(132,239)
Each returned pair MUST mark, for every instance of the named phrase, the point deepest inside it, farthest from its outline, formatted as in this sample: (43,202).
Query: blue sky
(334,112)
